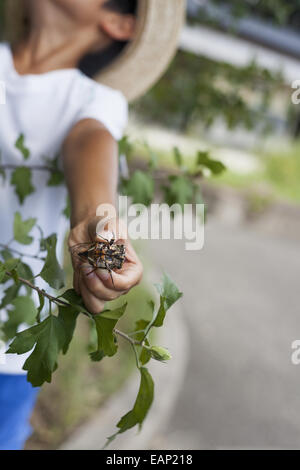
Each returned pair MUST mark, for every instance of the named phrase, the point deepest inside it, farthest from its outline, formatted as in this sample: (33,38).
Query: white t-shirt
(44,108)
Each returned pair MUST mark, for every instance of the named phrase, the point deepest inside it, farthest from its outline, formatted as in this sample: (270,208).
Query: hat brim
(148,55)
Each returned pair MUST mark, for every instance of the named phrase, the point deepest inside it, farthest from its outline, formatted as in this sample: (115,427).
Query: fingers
(76,283)
(95,285)
(98,287)
(92,303)
(129,276)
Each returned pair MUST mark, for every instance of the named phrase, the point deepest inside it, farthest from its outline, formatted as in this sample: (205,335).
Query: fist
(98,285)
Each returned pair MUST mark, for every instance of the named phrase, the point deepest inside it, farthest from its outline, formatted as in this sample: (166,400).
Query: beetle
(107,255)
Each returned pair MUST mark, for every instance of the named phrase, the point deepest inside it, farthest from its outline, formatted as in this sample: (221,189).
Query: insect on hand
(102,255)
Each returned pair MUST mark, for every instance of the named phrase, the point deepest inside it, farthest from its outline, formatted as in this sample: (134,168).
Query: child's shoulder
(99,91)
(103,103)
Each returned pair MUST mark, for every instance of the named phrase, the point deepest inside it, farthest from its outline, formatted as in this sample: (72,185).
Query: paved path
(242,308)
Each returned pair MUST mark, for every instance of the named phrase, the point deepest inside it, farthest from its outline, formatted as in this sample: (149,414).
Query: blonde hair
(16,20)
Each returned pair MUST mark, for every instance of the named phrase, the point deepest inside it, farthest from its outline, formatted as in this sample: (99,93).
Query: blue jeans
(17,400)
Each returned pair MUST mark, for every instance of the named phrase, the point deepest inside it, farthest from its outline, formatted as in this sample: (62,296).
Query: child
(60,110)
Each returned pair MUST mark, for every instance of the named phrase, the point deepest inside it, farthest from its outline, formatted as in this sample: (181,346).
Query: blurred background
(227,92)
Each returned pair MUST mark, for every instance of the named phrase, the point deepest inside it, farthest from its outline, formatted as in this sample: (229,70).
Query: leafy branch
(52,317)
(51,330)
(21,175)
(180,186)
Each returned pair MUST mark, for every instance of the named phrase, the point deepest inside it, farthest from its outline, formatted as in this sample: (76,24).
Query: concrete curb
(168,380)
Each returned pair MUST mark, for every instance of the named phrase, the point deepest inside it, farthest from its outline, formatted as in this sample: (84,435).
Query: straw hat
(145,59)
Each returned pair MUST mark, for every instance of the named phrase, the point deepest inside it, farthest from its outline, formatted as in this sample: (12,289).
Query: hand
(96,287)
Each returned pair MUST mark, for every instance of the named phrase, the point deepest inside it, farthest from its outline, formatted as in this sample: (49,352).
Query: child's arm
(90,158)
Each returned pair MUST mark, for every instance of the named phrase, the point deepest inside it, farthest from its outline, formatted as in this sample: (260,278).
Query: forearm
(90,160)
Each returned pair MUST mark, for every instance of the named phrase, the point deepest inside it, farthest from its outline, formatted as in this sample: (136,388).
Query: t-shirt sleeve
(107,106)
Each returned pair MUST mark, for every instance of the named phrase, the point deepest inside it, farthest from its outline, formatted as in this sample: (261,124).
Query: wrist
(86,212)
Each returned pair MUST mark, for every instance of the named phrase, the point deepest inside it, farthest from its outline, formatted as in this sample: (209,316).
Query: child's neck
(55,42)
(40,54)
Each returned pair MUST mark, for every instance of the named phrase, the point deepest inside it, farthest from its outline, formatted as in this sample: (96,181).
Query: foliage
(278,174)
(52,324)
(52,334)
(278,12)
(282,171)
(180,187)
(205,91)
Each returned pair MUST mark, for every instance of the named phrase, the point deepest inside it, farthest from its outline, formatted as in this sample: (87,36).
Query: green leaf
(142,404)
(97,356)
(141,407)
(169,294)
(141,325)
(22,228)
(168,290)
(24,311)
(145,356)
(216,167)
(180,190)
(10,294)
(140,328)
(6,254)
(125,146)
(26,340)
(49,339)
(56,178)
(2,171)
(141,188)
(11,264)
(68,317)
(178,157)
(24,271)
(20,145)
(153,157)
(52,273)
(105,324)
(67,209)
(76,301)
(21,179)
(161,314)
(15,276)
(39,310)
(114,314)
(160,354)
(2,272)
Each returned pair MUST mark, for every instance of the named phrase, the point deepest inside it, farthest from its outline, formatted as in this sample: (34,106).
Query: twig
(31,167)
(23,255)
(55,300)
(131,341)
(136,356)
(136,332)
(59,302)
